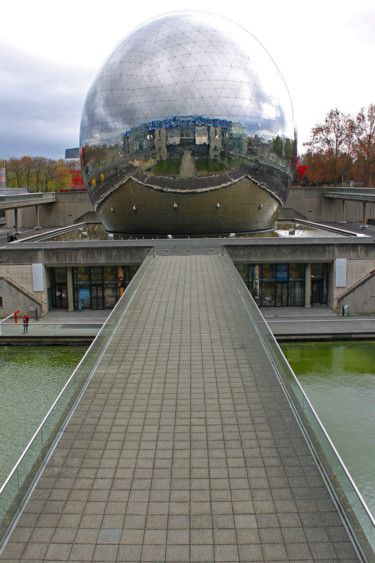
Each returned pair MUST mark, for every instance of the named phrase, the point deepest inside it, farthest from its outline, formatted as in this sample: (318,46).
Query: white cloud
(40,105)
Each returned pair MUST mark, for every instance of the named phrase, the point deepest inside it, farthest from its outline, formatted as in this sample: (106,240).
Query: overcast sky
(50,53)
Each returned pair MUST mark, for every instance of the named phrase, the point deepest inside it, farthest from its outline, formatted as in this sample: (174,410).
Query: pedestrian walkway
(58,326)
(286,323)
(183,446)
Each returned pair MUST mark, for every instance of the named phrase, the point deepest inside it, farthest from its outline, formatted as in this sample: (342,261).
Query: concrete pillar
(69,288)
(308,286)
(17,217)
(343,201)
(37,223)
(364,204)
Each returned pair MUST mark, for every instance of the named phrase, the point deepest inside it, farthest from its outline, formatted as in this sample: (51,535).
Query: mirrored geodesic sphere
(187,129)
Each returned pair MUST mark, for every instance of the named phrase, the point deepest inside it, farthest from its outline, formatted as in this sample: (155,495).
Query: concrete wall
(310,204)
(302,250)
(362,299)
(89,253)
(304,203)
(19,296)
(68,209)
(355,271)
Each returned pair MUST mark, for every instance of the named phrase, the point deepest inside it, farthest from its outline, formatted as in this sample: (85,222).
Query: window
(99,287)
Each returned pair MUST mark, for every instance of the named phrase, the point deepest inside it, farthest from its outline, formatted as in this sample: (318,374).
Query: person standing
(25,323)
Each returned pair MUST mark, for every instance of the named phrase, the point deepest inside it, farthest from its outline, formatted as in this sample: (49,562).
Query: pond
(339,380)
(30,379)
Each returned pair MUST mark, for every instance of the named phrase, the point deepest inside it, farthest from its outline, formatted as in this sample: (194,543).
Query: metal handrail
(102,344)
(276,355)
(23,290)
(52,407)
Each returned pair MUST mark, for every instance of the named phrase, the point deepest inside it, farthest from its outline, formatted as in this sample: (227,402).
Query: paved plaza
(183,447)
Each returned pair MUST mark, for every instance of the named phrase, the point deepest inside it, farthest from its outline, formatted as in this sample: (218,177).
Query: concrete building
(333,268)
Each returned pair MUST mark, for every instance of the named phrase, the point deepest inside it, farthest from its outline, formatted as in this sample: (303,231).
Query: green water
(339,380)
(30,379)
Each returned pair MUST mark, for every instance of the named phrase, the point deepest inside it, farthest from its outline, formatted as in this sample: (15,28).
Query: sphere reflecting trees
(188,129)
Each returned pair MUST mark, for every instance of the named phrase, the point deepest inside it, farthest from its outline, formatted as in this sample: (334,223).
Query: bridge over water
(184,445)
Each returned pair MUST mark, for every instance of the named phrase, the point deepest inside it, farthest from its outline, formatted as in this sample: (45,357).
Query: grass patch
(208,166)
(169,167)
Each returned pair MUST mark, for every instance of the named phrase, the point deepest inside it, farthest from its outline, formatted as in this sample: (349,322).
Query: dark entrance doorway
(316,292)
(319,284)
(282,294)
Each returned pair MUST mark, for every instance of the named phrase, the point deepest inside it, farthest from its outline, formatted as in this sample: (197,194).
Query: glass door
(316,292)
(282,294)
(97,297)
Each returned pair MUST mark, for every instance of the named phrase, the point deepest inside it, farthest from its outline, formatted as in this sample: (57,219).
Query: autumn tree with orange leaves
(363,145)
(328,153)
(342,149)
(37,173)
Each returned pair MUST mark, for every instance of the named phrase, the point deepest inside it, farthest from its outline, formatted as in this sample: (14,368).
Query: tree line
(37,173)
(341,151)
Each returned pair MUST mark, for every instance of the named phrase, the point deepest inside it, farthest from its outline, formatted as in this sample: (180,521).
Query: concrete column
(343,201)
(37,223)
(17,217)
(69,288)
(364,204)
(308,286)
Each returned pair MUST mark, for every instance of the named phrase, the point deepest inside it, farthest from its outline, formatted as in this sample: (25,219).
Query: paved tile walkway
(183,447)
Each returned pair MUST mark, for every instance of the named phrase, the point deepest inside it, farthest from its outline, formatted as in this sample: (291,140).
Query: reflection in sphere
(188,129)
